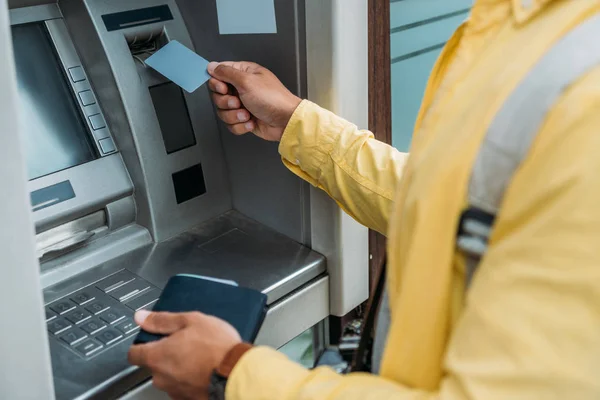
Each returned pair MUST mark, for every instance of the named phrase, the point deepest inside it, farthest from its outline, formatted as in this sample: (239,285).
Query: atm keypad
(78,316)
(82,298)
(97,307)
(73,336)
(109,336)
(88,347)
(112,316)
(58,326)
(100,316)
(63,307)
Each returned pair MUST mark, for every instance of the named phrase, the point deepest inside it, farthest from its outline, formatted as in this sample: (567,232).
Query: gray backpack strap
(514,129)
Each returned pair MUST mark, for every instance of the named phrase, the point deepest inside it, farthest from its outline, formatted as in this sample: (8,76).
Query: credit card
(181,65)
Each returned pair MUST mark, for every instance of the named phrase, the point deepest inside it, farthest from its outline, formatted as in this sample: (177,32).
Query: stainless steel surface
(96,184)
(295,314)
(231,247)
(120,213)
(97,252)
(24,15)
(46,240)
(25,369)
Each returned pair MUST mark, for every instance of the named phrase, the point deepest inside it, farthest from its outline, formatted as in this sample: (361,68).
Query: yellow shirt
(529,326)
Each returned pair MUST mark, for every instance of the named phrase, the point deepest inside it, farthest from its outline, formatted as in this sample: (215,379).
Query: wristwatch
(218,380)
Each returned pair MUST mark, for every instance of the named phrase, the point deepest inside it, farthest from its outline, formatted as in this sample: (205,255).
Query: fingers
(232,117)
(218,86)
(226,102)
(241,129)
(160,322)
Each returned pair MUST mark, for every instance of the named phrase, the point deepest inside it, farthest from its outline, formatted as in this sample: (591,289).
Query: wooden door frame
(380,103)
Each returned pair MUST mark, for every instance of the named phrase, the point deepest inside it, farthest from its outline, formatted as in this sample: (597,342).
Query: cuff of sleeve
(308,141)
(263,370)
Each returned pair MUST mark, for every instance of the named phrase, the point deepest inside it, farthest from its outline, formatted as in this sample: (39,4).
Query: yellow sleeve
(360,173)
(531,325)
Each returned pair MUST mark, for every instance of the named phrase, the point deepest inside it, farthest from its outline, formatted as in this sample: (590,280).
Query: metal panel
(34,14)
(261,186)
(96,184)
(25,357)
(337,61)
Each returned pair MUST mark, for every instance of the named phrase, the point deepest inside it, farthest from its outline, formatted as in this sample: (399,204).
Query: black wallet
(245,309)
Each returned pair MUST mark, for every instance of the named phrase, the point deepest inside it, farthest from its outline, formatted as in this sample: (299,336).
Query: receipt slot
(130,180)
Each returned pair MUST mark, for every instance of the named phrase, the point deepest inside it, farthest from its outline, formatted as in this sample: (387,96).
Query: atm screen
(55,135)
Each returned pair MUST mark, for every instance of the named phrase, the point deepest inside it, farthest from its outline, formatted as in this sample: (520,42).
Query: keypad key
(97,307)
(109,336)
(62,307)
(127,326)
(82,298)
(112,316)
(115,281)
(74,336)
(78,316)
(93,326)
(50,315)
(129,290)
(58,326)
(88,347)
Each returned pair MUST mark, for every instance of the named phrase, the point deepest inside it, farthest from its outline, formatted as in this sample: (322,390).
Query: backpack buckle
(474,231)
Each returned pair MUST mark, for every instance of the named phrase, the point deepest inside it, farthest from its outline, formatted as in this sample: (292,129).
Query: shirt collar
(525,10)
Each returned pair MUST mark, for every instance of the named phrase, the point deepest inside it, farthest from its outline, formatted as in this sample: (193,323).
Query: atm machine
(130,180)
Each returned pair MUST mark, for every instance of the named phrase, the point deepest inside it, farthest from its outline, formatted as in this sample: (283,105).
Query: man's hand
(183,362)
(259,102)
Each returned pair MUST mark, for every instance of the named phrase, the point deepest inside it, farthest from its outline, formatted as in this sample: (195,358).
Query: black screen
(173,117)
(55,136)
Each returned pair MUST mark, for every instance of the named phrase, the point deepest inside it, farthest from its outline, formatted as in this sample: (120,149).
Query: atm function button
(94,326)
(77,74)
(88,347)
(115,281)
(87,97)
(50,315)
(62,307)
(82,298)
(78,316)
(97,307)
(109,336)
(58,326)
(112,316)
(74,336)
(131,289)
(97,121)
(127,327)
(107,145)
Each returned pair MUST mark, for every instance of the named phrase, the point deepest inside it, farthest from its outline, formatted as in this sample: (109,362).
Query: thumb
(234,73)
(162,323)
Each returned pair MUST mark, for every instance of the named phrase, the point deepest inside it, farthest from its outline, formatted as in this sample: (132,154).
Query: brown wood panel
(380,102)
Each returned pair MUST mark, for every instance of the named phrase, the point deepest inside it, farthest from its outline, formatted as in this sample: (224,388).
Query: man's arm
(531,325)
(357,171)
